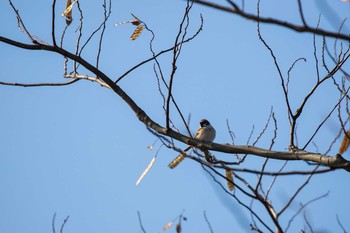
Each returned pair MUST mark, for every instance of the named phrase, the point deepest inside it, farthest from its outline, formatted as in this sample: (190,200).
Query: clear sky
(78,150)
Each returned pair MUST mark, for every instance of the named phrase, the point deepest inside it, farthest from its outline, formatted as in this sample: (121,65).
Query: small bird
(206,132)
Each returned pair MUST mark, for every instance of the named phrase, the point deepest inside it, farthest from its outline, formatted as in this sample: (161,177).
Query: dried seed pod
(69,6)
(345,143)
(146,171)
(69,13)
(137,32)
(135,22)
(229,178)
(176,161)
(167,226)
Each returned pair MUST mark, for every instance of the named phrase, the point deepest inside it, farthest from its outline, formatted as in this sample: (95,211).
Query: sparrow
(206,132)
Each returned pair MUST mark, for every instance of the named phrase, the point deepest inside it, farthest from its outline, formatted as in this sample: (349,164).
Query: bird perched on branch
(206,132)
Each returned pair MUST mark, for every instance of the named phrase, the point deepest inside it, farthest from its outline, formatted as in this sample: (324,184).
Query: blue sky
(78,150)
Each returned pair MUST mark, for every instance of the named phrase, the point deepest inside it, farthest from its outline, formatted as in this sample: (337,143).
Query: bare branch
(176,54)
(258,172)
(329,75)
(38,84)
(290,113)
(315,52)
(235,197)
(295,194)
(290,70)
(301,14)
(157,55)
(255,18)
(308,223)
(53,28)
(21,25)
(303,206)
(79,50)
(275,178)
(63,224)
(163,79)
(340,224)
(325,119)
(53,223)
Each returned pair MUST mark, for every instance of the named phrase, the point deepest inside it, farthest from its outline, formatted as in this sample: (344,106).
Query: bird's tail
(176,161)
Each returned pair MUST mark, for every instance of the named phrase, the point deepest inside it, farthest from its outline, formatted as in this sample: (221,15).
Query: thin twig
(291,143)
(165,83)
(340,224)
(296,193)
(308,223)
(53,27)
(140,222)
(275,178)
(53,223)
(63,224)
(301,13)
(176,53)
(106,16)
(207,221)
(303,206)
(326,118)
(157,55)
(258,184)
(315,51)
(21,25)
(234,196)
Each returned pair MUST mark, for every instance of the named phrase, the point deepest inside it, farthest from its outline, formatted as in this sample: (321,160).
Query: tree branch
(331,161)
(38,84)
(255,18)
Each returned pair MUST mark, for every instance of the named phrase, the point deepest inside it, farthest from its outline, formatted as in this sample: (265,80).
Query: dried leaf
(68,9)
(137,32)
(229,178)
(345,143)
(135,22)
(178,228)
(167,226)
(176,161)
(146,171)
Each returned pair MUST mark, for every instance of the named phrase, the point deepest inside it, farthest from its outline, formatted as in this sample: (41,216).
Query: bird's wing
(198,133)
